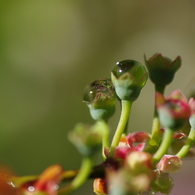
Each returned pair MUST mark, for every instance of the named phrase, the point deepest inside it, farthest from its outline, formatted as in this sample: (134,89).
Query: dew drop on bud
(123,66)
(104,86)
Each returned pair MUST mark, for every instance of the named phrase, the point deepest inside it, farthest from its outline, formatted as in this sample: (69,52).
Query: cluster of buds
(134,163)
(131,167)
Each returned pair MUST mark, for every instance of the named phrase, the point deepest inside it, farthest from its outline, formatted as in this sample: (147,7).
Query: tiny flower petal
(192,104)
(177,95)
(140,136)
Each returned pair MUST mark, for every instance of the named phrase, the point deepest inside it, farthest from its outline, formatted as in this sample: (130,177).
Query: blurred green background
(51,49)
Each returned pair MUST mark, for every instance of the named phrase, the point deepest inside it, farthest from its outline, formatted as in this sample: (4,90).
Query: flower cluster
(133,162)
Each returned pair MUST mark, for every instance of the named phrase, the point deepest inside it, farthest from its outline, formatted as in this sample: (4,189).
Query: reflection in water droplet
(123,66)
(11,184)
(149,192)
(31,188)
(103,86)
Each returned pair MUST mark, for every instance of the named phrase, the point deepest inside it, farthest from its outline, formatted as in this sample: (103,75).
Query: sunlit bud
(100,97)
(128,77)
(169,164)
(139,161)
(100,186)
(162,69)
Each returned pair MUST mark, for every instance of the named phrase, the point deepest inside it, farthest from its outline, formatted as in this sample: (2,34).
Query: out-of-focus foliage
(50,50)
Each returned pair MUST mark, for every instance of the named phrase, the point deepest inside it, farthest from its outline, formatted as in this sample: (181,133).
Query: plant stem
(155,130)
(154,141)
(80,178)
(164,146)
(156,122)
(105,141)
(125,112)
(189,143)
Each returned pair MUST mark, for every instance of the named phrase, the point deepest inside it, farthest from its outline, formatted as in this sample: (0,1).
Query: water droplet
(123,66)
(104,86)
(31,188)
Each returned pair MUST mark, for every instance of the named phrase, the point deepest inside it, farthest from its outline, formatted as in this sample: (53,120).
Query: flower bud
(100,97)
(169,164)
(100,186)
(162,69)
(128,77)
(173,111)
(87,139)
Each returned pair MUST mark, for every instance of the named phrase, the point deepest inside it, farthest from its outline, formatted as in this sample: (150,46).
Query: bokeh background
(51,49)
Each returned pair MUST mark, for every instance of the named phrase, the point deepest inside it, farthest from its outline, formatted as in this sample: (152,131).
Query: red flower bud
(173,111)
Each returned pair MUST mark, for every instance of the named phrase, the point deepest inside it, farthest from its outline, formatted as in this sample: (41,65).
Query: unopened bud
(128,77)
(162,69)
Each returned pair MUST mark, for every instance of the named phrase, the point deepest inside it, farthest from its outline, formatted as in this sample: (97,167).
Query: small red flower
(49,179)
(126,144)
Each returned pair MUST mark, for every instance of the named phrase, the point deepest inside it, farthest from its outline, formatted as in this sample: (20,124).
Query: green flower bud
(162,69)
(128,77)
(87,139)
(100,97)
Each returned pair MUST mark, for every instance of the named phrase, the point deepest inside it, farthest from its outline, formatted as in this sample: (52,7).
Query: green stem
(155,130)
(81,177)
(156,122)
(105,141)
(160,88)
(125,112)
(154,141)
(164,146)
(189,143)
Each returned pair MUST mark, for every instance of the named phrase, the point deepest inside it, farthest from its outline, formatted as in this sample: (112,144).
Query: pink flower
(126,144)
(49,180)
